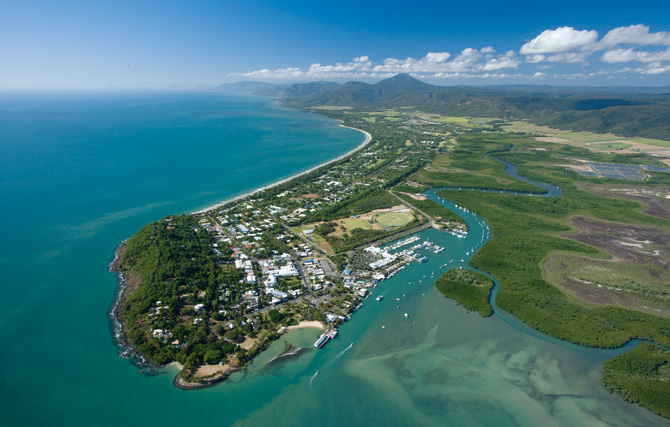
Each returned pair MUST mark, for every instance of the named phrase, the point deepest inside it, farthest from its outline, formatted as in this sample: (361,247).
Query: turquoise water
(79,173)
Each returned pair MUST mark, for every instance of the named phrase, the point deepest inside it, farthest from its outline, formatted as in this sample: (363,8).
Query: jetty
(323,339)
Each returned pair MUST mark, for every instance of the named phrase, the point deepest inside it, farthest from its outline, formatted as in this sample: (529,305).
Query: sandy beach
(368,138)
(301,325)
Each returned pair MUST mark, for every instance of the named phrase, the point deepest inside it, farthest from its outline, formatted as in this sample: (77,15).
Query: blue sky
(195,45)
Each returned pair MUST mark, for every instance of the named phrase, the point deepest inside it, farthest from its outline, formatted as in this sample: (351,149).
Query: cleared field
(579,139)
(636,276)
(394,219)
(444,119)
(608,146)
(331,107)
(353,223)
(603,282)
(315,238)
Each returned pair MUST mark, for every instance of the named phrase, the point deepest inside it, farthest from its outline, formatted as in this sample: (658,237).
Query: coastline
(118,324)
(125,285)
(368,139)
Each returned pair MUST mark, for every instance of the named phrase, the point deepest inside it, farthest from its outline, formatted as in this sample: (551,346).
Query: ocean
(79,172)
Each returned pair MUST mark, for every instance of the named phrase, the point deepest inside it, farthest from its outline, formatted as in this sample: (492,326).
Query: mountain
(297,90)
(626,111)
(405,82)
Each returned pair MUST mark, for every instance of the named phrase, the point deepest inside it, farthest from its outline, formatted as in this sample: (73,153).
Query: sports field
(394,219)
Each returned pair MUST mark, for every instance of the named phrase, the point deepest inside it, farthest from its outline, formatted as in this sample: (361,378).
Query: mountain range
(626,111)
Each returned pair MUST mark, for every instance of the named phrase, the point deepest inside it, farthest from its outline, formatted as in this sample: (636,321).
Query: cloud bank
(558,47)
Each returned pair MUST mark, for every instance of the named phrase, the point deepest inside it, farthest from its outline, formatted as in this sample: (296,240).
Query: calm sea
(81,172)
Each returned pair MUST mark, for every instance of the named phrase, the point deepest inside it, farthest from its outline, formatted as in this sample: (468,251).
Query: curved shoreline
(368,139)
(118,326)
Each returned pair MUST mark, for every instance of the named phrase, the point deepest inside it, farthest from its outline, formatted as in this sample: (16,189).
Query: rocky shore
(127,283)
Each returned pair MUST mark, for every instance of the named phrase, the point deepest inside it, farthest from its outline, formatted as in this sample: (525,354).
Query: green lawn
(353,223)
(394,219)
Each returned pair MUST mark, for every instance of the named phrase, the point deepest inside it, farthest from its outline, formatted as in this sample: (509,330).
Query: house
(199,308)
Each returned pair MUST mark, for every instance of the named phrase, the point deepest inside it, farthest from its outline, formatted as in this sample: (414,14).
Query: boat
(406,315)
(379,298)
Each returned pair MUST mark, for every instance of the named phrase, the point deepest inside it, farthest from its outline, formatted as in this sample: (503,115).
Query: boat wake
(312,379)
(342,353)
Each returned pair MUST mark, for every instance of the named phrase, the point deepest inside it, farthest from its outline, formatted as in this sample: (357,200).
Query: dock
(323,339)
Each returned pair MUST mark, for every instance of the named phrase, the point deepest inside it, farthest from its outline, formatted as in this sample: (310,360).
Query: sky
(99,45)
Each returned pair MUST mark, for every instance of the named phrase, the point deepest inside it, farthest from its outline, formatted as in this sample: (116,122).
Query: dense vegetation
(526,229)
(649,121)
(641,376)
(468,288)
(174,261)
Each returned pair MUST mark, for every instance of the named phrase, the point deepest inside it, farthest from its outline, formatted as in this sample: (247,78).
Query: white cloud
(534,59)
(556,49)
(559,40)
(636,35)
(437,57)
(500,63)
(630,55)
(468,61)
(655,68)
(568,57)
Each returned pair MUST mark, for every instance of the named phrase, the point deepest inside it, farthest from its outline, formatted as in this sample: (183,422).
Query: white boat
(406,315)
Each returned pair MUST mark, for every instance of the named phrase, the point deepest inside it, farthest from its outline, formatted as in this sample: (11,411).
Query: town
(310,249)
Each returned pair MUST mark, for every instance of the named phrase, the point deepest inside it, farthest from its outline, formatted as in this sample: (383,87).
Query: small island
(468,288)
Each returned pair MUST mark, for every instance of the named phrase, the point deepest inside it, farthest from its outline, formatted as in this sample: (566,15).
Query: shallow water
(79,174)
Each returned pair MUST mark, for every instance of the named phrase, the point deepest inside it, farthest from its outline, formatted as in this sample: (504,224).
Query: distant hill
(244,87)
(297,90)
(625,111)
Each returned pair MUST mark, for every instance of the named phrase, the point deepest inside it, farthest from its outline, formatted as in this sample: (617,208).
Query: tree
(212,357)
(274,315)
(233,335)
